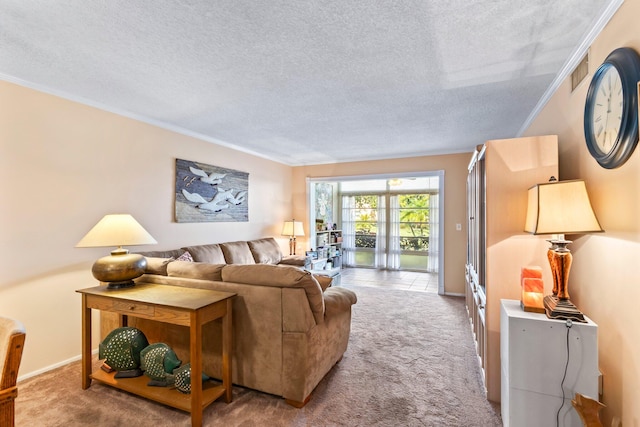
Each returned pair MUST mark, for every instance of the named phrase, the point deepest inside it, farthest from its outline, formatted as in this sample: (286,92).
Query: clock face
(611,109)
(607,110)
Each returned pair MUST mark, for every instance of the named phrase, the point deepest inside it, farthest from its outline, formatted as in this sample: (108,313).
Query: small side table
(170,304)
(533,353)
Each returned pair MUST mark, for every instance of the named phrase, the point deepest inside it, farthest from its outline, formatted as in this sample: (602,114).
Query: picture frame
(207,193)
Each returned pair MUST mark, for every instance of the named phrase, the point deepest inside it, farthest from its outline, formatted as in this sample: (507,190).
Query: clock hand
(606,120)
(607,132)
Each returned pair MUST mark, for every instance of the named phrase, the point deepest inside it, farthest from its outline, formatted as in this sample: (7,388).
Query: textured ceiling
(304,81)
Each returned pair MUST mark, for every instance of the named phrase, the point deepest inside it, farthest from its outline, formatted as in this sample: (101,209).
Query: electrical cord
(566,366)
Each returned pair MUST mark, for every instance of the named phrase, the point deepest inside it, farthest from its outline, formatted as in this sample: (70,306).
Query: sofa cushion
(237,253)
(195,270)
(206,253)
(281,276)
(265,251)
(175,253)
(297,260)
(157,265)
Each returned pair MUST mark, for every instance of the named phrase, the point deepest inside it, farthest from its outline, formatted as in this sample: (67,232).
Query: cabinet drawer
(133,308)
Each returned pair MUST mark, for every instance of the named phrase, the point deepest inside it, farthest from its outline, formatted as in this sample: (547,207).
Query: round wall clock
(611,109)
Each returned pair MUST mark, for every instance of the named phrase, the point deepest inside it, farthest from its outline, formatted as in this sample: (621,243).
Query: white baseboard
(52,367)
(453,294)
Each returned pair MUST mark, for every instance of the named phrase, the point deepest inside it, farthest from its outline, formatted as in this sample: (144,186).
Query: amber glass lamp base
(558,306)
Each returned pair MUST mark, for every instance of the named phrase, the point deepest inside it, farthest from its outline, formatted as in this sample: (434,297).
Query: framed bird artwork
(206,193)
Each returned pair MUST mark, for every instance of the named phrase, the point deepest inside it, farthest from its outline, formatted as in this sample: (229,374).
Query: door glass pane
(413,261)
(414,222)
(364,259)
(366,217)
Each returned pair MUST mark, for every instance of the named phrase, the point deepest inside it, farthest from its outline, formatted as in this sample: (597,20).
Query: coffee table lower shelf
(166,395)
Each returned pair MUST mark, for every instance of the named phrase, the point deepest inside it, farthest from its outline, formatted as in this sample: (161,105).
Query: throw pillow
(186,256)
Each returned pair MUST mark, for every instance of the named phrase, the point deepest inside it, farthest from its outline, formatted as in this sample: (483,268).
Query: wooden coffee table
(170,304)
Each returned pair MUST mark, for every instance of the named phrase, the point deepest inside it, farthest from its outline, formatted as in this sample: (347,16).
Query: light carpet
(411,362)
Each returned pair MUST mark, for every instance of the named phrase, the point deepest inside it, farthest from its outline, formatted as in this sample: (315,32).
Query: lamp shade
(293,228)
(120,268)
(116,230)
(561,207)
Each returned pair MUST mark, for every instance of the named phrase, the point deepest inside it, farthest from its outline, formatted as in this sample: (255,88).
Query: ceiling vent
(580,72)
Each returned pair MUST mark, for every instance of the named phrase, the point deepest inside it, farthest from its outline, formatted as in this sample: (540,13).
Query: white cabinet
(533,351)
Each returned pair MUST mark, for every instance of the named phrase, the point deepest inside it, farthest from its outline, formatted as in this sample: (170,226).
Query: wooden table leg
(86,344)
(227,346)
(195,344)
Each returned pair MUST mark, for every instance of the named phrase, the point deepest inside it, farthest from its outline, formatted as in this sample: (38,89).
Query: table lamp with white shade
(559,208)
(292,229)
(120,268)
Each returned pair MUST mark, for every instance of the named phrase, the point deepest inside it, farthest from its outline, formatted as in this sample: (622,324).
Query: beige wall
(63,166)
(455,178)
(604,283)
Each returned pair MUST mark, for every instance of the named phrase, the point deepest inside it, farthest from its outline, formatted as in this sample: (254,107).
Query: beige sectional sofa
(260,251)
(290,327)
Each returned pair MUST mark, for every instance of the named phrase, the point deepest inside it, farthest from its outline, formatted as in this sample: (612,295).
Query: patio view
(391,223)
(413,225)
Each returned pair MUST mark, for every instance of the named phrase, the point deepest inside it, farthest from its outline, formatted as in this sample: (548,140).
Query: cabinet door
(476,222)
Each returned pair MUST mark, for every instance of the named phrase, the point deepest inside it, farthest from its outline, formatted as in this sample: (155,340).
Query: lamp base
(562,309)
(119,269)
(121,285)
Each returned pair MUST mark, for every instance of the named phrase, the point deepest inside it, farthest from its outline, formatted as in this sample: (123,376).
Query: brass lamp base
(121,285)
(119,269)
(562,309)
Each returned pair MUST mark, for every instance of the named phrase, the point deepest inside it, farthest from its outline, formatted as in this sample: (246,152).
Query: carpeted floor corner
(411,362)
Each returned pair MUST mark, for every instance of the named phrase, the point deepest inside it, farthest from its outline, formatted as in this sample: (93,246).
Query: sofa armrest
(337,300)
(296,260)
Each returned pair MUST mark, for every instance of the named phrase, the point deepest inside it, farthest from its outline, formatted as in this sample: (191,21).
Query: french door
(391,230)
